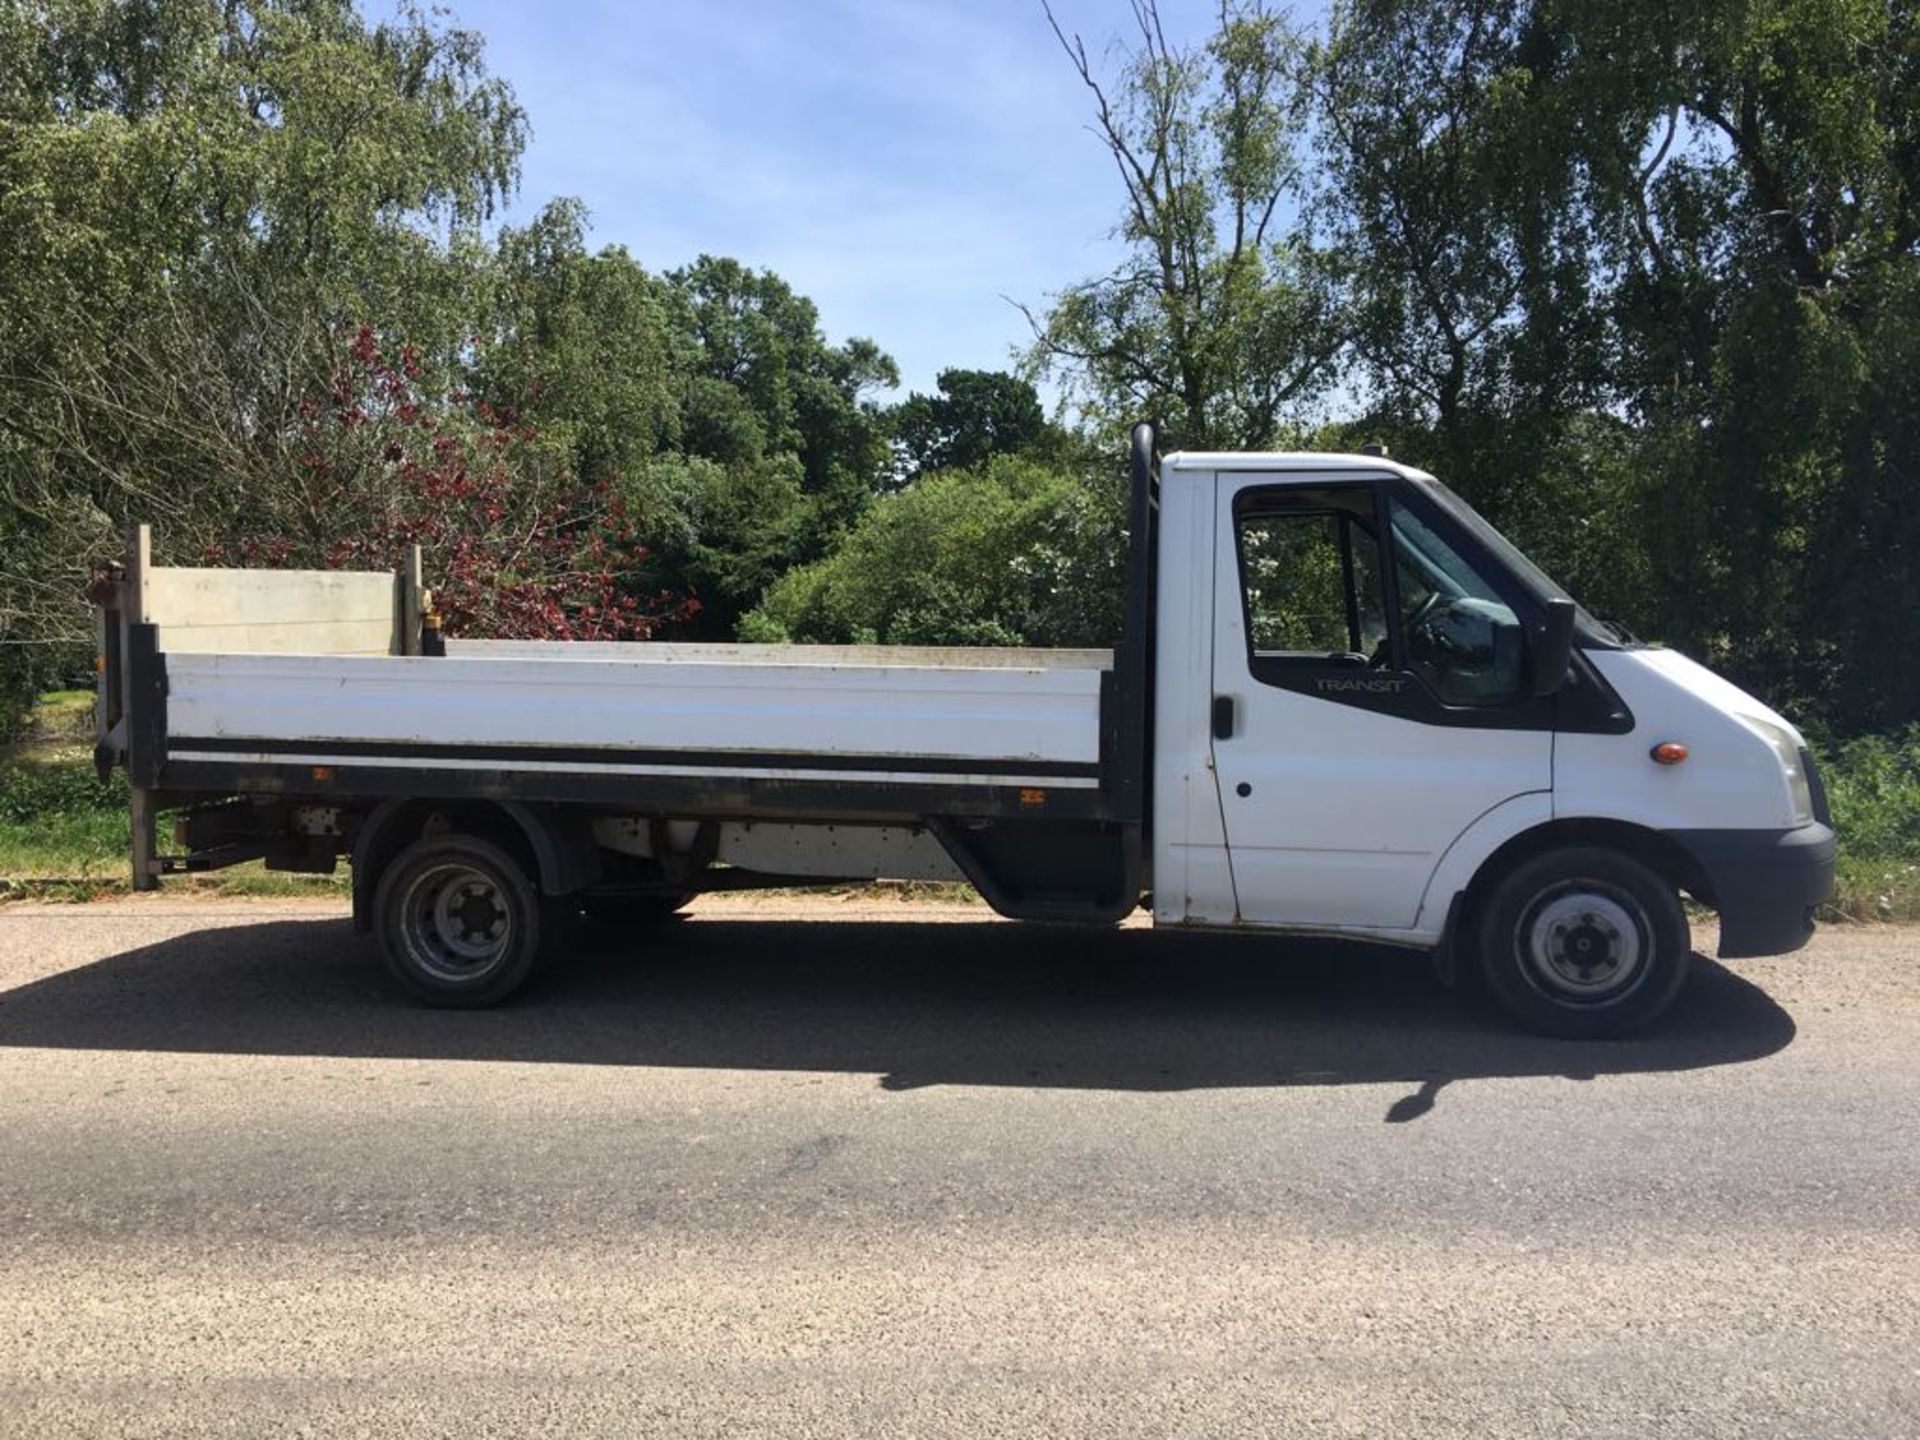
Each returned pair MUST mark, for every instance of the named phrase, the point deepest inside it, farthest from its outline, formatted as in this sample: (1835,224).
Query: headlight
(1786,747)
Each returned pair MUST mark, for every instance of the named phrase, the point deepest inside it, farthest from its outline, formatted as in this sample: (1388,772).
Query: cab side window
(1311,581)
(1350,577)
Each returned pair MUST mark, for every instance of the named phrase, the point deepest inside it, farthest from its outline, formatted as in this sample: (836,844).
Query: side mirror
(1553,648)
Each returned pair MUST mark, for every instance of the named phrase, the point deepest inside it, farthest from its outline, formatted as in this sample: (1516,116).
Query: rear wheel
(459,921)
(1585,941)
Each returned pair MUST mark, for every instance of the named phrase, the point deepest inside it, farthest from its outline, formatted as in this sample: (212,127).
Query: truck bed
(300,716)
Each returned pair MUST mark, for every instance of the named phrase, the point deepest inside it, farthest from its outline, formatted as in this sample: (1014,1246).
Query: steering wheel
(1426,608)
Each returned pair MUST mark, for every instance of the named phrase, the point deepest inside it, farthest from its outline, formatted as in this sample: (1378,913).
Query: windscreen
(1531,575)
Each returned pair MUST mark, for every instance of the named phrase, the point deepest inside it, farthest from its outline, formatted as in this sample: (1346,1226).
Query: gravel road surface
(832,1168)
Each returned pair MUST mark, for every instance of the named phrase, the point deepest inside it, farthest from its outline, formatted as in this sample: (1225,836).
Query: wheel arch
(1659,853)
(556,844)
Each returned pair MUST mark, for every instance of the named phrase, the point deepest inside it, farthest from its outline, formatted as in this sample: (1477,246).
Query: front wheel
(1585,942)
(459,921)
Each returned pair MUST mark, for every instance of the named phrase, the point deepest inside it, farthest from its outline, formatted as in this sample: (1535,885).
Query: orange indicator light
(1669,752)
(323,772)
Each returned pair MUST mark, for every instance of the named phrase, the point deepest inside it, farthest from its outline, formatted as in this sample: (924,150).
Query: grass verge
(63,830)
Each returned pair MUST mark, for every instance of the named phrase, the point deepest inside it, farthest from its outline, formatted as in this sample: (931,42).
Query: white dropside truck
(1343,704)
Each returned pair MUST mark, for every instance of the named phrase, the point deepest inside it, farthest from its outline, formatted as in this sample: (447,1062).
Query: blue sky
(905,163)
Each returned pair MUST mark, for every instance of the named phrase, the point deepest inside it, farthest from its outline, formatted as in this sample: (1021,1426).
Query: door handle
(1223,717)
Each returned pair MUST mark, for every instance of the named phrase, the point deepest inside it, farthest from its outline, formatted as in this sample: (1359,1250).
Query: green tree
(783,447)
(1220,321)
(579,346)
(975,415)
(1641,280)
(790,390)
(1765,179)
(200,201)
(1453,192)
(725,532)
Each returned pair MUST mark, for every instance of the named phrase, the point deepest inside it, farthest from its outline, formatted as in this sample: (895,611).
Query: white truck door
(1371,696)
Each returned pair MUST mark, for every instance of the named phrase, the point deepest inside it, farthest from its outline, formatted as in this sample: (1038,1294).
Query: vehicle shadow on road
(913,1002)
(909,1001)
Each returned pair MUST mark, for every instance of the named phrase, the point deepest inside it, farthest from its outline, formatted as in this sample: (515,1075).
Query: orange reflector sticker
(1668,752)
(1033,797)
(323,772)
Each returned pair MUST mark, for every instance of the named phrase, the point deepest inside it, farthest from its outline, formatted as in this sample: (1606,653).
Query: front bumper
(1766,884)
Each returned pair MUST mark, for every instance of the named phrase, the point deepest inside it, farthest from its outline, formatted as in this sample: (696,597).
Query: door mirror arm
(1553,647)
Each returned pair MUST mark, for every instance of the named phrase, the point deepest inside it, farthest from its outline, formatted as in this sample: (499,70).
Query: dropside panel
(989,725)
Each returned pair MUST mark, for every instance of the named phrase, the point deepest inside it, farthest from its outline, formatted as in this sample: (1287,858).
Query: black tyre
(459,921)
(624,910)
(1585,942)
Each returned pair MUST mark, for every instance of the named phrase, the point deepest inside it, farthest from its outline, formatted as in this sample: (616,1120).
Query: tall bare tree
(1219,321)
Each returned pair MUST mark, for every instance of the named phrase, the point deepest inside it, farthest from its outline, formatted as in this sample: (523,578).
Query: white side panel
(1048,715)
(1467,854)
(1192,880)
(306,612)
(1730,780)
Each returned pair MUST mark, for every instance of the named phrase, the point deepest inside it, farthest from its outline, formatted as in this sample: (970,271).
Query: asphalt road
(887,1172)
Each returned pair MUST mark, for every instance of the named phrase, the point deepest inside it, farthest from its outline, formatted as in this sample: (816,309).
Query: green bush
(58,818)
(22,673)
(16,704)
(1873,787)
(38,792)
(1011,553)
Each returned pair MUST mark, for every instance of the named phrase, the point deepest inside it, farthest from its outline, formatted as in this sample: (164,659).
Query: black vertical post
(1131,717)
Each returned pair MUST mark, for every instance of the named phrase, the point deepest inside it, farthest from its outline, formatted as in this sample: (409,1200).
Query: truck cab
(1375,717)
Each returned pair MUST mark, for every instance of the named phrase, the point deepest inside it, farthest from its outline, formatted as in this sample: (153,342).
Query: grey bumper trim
(1766,884)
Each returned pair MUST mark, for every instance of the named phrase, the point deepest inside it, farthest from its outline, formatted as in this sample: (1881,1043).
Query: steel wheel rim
(457,921)
(1585,943)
